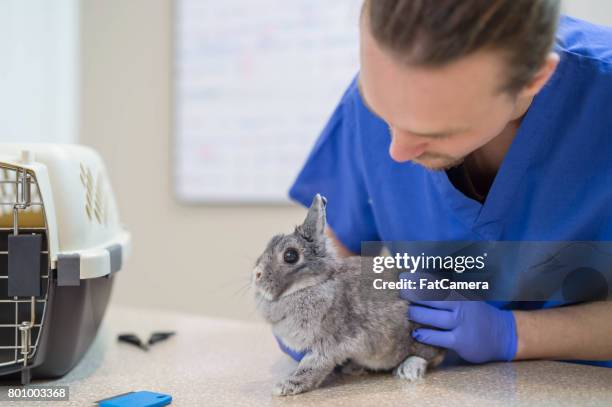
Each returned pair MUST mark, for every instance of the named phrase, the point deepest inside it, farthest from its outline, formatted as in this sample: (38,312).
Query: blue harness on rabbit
(555,182)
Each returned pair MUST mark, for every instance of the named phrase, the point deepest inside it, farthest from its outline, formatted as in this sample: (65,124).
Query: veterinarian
(476,120)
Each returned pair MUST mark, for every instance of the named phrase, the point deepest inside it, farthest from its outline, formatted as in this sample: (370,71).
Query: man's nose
(405,147)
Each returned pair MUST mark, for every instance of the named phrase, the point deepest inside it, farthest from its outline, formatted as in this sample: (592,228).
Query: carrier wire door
(24,270)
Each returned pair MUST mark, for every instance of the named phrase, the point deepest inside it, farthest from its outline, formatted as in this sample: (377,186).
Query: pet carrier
(60,244)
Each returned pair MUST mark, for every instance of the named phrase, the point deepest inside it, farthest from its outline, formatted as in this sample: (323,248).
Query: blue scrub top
(555,182)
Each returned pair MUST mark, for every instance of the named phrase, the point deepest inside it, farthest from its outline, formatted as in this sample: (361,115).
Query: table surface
(217,362)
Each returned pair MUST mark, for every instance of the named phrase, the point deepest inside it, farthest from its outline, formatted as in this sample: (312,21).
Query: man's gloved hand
(477,331)
(295,355)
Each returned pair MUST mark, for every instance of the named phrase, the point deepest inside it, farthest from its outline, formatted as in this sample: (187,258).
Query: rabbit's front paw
(289,387)
(412,369)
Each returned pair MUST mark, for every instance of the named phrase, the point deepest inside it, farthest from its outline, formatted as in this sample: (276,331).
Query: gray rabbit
(318,301)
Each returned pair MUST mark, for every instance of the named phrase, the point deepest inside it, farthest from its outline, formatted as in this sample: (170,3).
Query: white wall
(597,11)
(189,258)
(39,70)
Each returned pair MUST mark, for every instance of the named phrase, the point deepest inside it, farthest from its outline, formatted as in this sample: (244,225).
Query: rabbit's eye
(291,256)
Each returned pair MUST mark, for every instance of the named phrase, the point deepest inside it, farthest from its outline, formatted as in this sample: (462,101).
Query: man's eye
(291,256)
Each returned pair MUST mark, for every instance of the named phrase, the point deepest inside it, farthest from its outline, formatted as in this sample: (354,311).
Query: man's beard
(438,162)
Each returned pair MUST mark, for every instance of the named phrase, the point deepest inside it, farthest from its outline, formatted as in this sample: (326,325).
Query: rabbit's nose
(257,272)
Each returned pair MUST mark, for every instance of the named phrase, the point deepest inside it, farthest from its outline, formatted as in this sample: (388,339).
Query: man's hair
(437,32)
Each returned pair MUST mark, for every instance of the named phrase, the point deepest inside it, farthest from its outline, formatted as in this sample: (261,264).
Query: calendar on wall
(255,82)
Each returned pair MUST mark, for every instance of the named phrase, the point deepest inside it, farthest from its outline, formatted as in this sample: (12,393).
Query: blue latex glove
(295,355)
(477,331)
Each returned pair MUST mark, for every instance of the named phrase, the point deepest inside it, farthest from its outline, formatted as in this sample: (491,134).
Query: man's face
(436,116)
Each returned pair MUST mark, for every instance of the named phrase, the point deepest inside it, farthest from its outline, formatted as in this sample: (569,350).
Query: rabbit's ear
(314,224)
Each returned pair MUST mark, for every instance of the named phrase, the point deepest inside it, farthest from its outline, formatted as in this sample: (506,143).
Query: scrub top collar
(486,219)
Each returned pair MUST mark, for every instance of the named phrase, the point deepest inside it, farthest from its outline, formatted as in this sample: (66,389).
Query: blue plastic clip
(137,399)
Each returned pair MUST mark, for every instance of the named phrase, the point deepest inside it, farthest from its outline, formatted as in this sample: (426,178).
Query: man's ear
(542,76)
(314,224)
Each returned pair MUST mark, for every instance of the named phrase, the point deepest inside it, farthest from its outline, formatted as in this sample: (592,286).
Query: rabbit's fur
(327,305)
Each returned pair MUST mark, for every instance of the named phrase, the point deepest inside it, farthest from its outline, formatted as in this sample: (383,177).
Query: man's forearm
(580,332)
